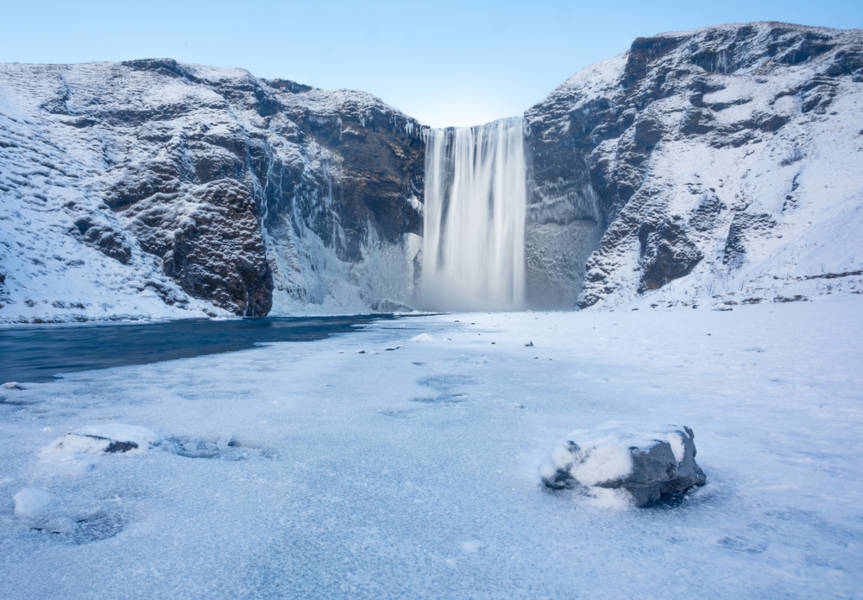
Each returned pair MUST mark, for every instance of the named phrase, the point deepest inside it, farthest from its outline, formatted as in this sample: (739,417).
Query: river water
(39,353)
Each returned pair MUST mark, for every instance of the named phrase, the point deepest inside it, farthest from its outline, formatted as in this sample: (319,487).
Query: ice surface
(308,470)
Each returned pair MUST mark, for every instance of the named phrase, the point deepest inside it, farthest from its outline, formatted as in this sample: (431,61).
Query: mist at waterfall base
(473,230)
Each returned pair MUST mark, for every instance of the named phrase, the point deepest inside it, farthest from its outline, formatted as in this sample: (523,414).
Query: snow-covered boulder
(108,438)
(647,467)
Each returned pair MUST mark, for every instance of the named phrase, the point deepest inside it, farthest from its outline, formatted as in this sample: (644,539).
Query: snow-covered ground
(317,470)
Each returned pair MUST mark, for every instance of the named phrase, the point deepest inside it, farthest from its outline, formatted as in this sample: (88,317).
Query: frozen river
(41,352)
(402,460)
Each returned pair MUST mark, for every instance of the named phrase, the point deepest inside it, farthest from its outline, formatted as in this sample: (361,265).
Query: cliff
(716,165)
(157,188)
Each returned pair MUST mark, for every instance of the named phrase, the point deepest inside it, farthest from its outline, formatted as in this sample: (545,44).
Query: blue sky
(445,63)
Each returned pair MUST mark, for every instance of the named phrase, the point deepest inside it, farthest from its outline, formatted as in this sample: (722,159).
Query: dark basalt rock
(655,476)
(105,239)
(220,254)
(742,225)
(114,446)
(707,214)
(666,254)
(162,66)
(109,446)
(697,122)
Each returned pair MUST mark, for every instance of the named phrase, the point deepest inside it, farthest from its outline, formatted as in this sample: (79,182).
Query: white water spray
(473,226)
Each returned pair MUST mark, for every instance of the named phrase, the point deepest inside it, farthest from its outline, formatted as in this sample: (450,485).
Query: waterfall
(473,227)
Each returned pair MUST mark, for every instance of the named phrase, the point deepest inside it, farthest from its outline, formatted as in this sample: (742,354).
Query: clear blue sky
(445,63)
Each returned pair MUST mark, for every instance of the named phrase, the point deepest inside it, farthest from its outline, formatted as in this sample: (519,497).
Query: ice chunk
(424,337)
(32,503)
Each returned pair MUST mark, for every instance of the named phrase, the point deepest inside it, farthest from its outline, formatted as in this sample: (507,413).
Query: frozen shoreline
(414,472)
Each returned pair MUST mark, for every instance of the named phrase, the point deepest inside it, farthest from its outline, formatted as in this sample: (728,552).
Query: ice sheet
(312,470)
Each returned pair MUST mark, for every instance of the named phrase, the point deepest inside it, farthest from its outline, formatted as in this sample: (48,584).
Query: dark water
(38,353)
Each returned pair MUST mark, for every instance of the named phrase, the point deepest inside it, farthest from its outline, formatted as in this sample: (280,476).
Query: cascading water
(473,228)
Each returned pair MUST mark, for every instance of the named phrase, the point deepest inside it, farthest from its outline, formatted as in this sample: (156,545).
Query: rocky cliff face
(153,187)
(718,165)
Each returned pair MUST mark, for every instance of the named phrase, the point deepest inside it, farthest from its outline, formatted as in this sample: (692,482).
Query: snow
(597,78)
(603,461)
(424,337)
(674,440)
(415,472)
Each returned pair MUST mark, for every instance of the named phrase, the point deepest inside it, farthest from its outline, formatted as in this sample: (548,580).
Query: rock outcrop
(698,164)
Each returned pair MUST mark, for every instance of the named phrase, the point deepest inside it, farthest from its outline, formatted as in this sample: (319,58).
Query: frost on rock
(647,467)
(111,438)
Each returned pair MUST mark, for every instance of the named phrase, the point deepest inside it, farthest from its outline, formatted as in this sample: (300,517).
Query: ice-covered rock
(108,438)
(649,467)
(424,337)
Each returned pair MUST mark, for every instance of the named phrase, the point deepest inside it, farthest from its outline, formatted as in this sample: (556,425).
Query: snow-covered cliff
(153,188)
(715,166)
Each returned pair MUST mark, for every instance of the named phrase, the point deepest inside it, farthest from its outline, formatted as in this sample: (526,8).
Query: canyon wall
(715,166)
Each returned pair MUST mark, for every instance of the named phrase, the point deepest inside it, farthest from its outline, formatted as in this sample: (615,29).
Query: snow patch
(32,503)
